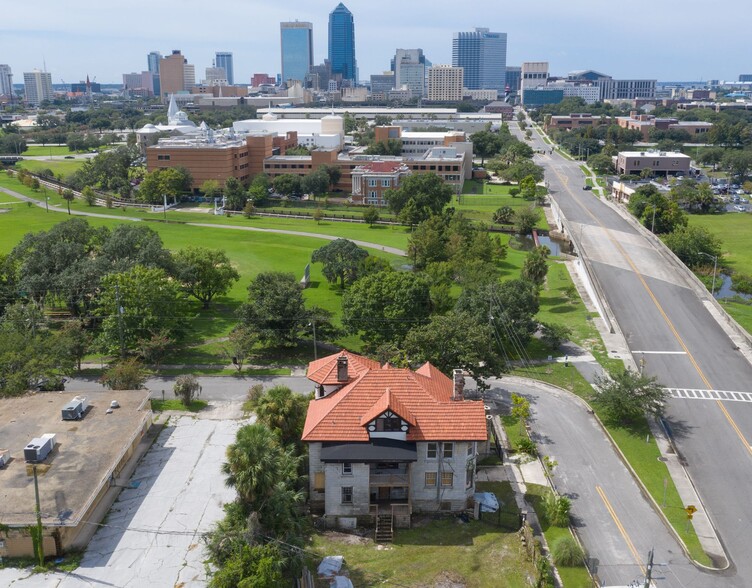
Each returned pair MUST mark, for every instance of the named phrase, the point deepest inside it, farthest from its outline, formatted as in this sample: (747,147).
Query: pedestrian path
(695,394)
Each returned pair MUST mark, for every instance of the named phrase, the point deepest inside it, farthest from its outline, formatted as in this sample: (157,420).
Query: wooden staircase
(384,528)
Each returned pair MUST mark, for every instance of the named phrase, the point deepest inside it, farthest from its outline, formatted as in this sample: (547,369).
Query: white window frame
(450,477)
(447,450)
(342,497)
(435,479)
(435,450)
(347,469)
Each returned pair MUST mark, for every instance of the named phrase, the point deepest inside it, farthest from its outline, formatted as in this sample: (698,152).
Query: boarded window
(430,479)
(318,481)
(447,479)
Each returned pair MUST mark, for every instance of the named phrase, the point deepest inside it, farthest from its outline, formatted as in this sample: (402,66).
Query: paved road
(41,204)
(684,348)
(605,498)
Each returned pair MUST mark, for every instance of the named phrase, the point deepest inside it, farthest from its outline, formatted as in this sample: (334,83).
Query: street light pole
(652,228)
(715,269)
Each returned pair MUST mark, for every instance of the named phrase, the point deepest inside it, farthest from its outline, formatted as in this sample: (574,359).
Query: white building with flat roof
(327,132)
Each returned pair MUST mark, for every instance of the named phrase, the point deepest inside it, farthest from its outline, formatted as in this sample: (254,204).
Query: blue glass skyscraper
(223,59)
(483,55)
(342,43)
(297,50)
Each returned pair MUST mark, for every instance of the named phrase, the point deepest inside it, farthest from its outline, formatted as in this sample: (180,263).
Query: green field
(735,231)
(60,167)
(43,150)
(480,200)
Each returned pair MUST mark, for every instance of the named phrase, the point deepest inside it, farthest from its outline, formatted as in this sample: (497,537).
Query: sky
(653,39)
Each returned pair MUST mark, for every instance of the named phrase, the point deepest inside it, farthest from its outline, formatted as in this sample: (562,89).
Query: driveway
(152,534)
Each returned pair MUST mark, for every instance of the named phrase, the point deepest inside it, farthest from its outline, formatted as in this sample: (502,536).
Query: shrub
(525,445)
(556,509)
(567,552)
(187,389)
(124,375)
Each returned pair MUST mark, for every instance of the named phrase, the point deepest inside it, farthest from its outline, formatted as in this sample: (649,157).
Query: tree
(258,191)
(205,273)
(535,266)
(240,344)
(127,374)
(284,412)
(516,172)
(136,304)
(504,215)
(625,396)
(187,388)
(341,259)
(384,306)
(316,183)
(528,188)
(68,196)
(520,409)
(428,193)
(88,195)
(738,163)
(128,245)
(554,335)
(257,464)
(334,172)
(456,341)
(318,215)
(210,188)
(693,245)
(288,185)
(275,308)
(601,164)
(77,340)
(485,144)
(235,195)
(155,347)
(371,215)
(525,220)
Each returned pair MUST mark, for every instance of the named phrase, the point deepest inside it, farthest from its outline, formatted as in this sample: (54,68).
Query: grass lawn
(735,232)
(574,577)
(741,311)
(515,432)
(60,167)
(175,404)
(477,554)
(479,200)
(42,150)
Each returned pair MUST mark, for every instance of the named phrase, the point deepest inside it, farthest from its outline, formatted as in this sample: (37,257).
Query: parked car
(587,187)
(740,208)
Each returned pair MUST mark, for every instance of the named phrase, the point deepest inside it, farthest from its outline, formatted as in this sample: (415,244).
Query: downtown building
(342,44)
(445,83)
(37,86)
(6,80)
(176,75)
(409,67)
(483,56)
(223,59)
(296,40)
(152,62)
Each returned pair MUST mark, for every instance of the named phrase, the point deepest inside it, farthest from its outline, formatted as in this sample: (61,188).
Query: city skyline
(596,37)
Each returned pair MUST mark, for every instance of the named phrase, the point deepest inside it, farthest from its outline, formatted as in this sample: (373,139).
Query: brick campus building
(218,157)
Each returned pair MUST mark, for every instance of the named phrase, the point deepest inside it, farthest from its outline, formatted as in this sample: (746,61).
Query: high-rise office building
(533,74)
(223,59)
(409,68)
(189,76)
(483,56)
(296,40)
(342,43)
(37,86)
(152,60)
(215,76)
(172,72)
(6,80)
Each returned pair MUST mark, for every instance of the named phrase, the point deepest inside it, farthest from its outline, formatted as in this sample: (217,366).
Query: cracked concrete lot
(152,534)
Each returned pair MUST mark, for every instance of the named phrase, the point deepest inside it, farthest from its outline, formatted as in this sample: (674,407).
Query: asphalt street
(667,324)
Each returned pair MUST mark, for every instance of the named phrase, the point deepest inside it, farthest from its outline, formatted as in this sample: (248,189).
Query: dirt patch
(2,210)
(449,580)
(347,538)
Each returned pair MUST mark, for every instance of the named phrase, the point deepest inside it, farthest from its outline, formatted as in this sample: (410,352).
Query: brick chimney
(459,385)
(342,369)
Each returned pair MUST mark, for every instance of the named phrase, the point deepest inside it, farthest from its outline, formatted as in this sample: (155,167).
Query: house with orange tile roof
(381,437)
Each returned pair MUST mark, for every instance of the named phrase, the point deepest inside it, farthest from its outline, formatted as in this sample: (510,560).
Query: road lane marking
(694,394)
(622,530)
(657,304)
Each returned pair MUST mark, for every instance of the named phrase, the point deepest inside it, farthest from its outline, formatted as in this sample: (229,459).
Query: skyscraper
(297,50)
(37,86)
(342,43)
(6,80)
(483,55)
(223,59)
(410,70)
(172,73)
(152,60)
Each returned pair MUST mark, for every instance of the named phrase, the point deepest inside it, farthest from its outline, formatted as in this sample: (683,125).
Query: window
(447,450)
(470,447)
(373,183)
(447,479)
(386,183)
(347,492)
(431,450)
(163,158)
(347,469)
(430,479)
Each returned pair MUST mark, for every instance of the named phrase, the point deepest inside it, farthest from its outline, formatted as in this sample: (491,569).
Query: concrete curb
(643,489)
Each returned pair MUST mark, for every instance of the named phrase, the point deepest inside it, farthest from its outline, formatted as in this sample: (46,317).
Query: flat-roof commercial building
(576,120)
(645,123)
(76,479)
(666,163)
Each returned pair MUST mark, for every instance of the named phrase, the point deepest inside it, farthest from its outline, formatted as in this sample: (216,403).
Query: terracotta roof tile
(425,395)
(324,370)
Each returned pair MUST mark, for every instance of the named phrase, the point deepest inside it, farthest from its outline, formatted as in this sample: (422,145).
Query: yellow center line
(657,304)
(621,528)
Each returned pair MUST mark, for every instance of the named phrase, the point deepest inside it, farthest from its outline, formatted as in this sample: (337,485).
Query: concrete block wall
(430,499)
(358,480)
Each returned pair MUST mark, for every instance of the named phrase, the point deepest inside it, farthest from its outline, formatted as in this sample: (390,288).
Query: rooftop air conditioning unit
(75,409)
(4,457)
(39,448)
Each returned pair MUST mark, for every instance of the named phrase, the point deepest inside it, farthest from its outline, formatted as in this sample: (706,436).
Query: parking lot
(152,534)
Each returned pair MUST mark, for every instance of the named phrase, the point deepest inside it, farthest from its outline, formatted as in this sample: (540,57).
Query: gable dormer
(388,418)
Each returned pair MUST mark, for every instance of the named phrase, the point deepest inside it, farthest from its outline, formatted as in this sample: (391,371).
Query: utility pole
(315,351)
(120,321)
(649,570)
(38,512)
